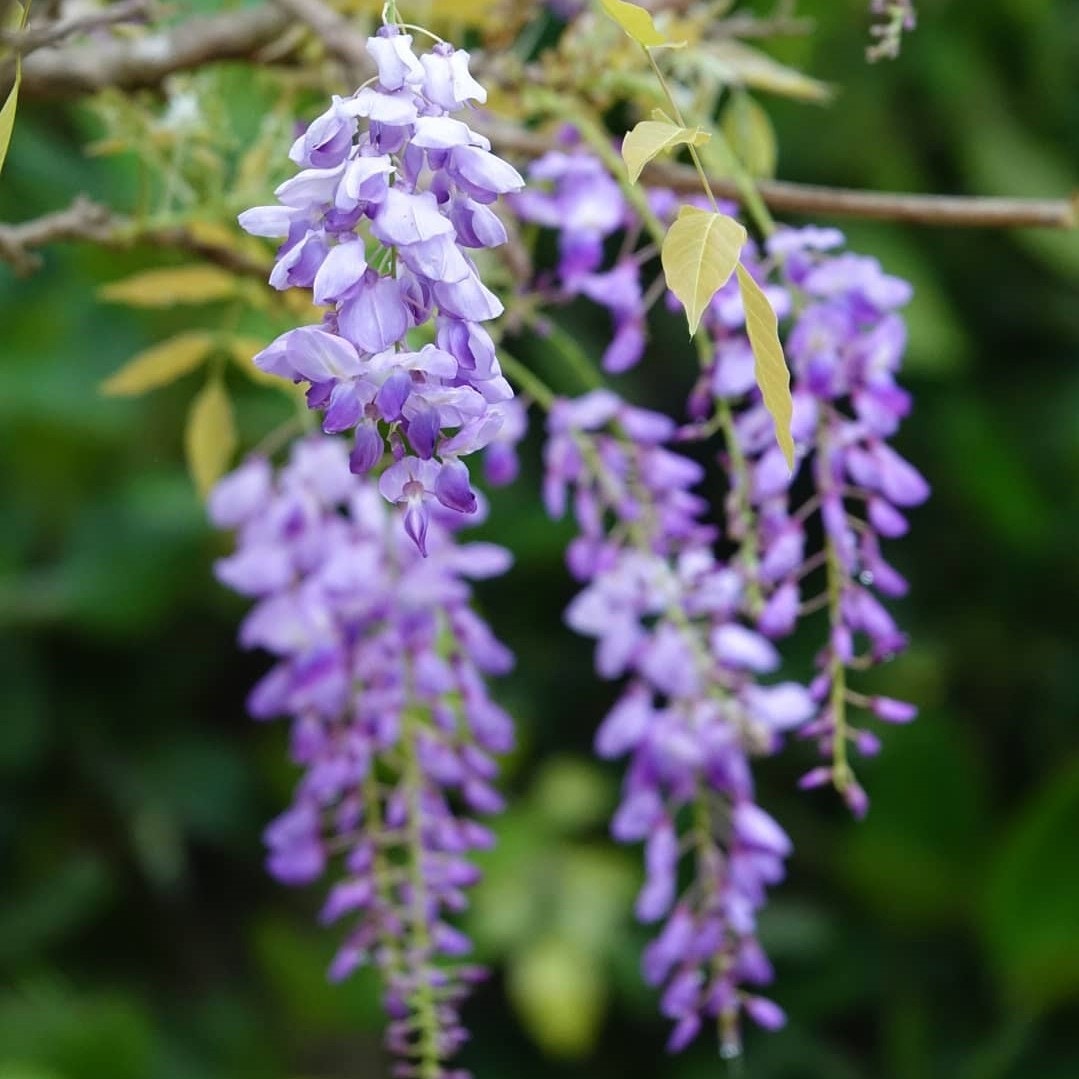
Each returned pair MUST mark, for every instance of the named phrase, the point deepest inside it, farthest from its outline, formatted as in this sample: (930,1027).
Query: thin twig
(73,70)
(82,220)
(332,29)
(40,35)
(90,221)
(941,210)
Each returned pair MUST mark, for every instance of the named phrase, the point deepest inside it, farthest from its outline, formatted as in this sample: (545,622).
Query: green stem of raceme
(531,383)
(837,671)
(423,999)
(746,188)
(569,352)
(841,773)
(740,483)
(380,866)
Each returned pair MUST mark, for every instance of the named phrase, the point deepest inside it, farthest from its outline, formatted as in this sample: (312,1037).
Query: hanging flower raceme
(381,665)
(393,194)
(572,192)
(844,345)
(666,617)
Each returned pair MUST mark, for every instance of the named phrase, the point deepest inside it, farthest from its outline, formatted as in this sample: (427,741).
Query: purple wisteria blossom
(667,618)
(380,663)
(393,195)
(693,636)
(571,191)
(844,345)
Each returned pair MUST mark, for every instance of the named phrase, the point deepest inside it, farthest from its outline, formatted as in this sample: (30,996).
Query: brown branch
(74,70)
(941,210)
(335,32)
(958,211)
(82,220)
(90,221)
(39,35)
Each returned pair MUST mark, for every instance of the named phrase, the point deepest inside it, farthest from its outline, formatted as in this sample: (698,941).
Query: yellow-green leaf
(7,112)
(210,436)
(635,21)
(651,137)
(738,64)
(769,366)
(159,365)
(165,287)
(748,130)
(559,993)
(700,252)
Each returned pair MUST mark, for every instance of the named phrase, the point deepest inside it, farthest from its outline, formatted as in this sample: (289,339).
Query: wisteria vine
(351,551)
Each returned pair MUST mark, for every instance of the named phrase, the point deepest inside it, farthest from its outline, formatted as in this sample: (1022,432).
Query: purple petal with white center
(447,81)
(376,317)
(311,187)
(340,273)
(469,299)
(242,493)
(268,221)
(397,63)
(782,707)
(395,108)
(757,829)
(739,647)
(408,218)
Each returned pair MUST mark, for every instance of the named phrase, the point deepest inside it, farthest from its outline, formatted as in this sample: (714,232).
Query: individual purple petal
(392,395)
(341,271)
(742,648)
(367,451)
(376,317)
(452,487)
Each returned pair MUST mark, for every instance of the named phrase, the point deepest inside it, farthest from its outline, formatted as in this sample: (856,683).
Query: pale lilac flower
(381,665)
(392,196)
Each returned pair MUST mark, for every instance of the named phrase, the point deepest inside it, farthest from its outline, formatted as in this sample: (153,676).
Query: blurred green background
(139,937)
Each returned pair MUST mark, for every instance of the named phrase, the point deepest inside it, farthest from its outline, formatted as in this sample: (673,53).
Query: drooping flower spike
(693,636)
(666,616)
(381,665)
(393,195)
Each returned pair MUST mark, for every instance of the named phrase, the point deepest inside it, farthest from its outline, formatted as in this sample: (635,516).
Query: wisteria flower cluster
(380,660)
(381,666)
(666,616)
(695,635)
(420,184)
(845,346)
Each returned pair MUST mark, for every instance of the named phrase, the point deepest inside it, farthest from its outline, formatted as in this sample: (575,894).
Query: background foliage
(139,938)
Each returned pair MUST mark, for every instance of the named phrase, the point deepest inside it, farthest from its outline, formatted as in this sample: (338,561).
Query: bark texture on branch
(75,70)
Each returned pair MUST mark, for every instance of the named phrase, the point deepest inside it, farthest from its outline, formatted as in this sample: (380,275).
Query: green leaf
(559,994)
(165,287)
(748,130)
(635,21)
(699,255)
(7,111)
(737,64)
(769,366)
(1031,898)
(159,365)
(652,137)
(210,436)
